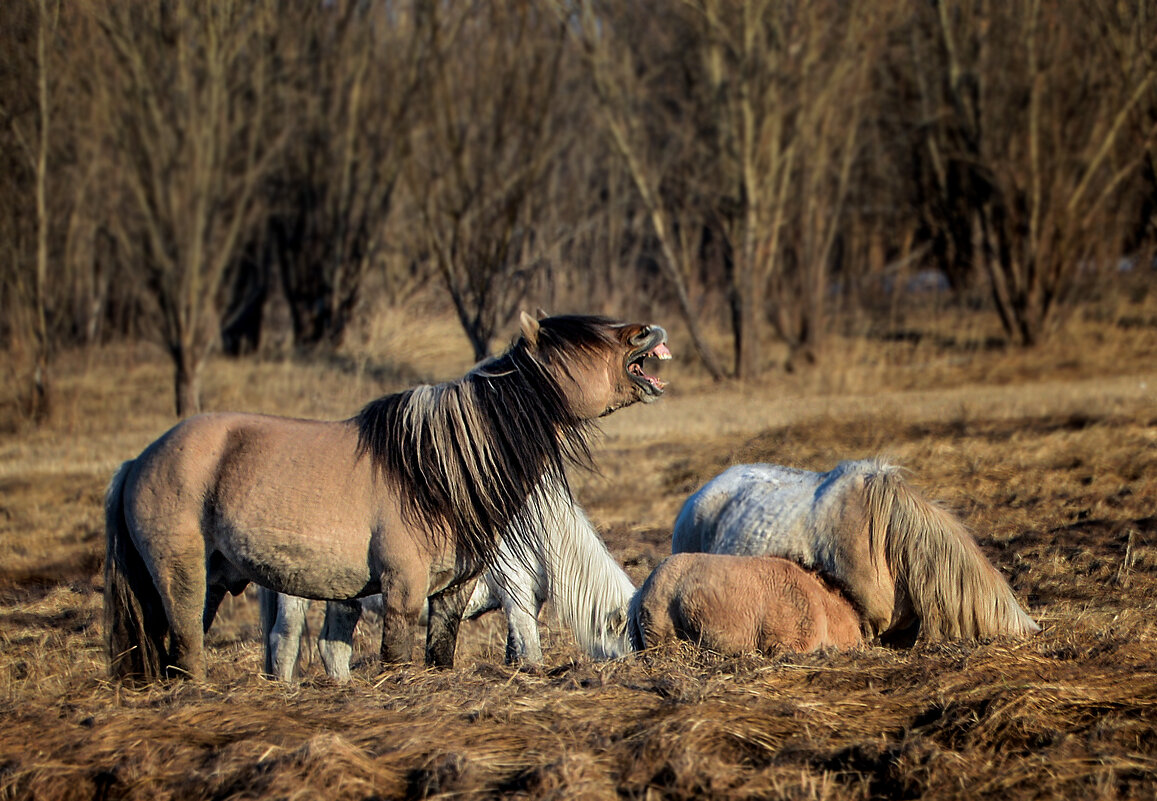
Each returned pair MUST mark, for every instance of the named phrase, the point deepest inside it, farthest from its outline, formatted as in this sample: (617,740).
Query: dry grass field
(1049,455)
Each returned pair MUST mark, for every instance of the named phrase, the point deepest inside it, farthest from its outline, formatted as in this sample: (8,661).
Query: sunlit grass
(1050,457)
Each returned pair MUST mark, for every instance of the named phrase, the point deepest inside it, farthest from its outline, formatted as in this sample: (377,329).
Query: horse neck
(589,589)
(953,588)
(484,443)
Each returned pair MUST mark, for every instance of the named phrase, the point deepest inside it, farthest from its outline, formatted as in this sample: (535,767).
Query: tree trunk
(744,324)
(308,318)
(472,324)
(41,401)
(670,264)
(187,380)
(245,309)
(40,398)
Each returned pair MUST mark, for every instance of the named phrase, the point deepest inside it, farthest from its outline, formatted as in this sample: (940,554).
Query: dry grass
(1053,462)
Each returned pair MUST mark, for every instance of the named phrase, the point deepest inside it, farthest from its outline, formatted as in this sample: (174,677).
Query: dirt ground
(1050,456)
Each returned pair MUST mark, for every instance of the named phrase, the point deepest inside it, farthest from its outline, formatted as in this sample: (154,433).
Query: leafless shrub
(350,75)
(187,92)
(1039,123)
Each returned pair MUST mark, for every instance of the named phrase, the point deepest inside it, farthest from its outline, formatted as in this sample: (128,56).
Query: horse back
(252,464)
(752,510)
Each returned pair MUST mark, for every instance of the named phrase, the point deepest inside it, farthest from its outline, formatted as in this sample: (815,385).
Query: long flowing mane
(468,454)
(953,588)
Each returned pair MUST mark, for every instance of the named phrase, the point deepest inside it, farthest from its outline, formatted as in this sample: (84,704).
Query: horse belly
(294,509)
(311,540)
(311,563)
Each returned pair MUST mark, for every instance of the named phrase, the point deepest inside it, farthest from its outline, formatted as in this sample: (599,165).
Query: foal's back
(733,604)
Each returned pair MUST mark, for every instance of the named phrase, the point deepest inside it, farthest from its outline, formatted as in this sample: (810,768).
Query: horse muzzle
(650,343)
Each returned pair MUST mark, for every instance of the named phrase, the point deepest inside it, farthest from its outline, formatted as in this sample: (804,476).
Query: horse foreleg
(442,626)
(336,643)
(401,605)
(516,594)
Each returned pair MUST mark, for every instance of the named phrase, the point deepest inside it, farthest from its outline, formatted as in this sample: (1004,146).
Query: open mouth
(651,343)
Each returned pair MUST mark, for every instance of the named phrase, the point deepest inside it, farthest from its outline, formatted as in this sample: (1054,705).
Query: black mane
(468,455)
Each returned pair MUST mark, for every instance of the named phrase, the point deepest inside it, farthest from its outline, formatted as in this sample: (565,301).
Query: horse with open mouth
(411,498)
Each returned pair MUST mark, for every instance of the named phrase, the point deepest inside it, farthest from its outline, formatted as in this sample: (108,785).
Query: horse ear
(540,314)
(530,328)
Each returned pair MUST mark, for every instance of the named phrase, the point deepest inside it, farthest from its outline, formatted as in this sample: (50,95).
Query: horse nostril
(641,337)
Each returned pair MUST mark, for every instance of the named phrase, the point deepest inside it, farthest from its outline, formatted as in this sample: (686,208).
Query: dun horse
(735,604)
(569,564)
(898,557)
(411,498)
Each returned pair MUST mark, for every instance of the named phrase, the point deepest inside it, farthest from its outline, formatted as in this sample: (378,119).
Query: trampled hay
(1054,472)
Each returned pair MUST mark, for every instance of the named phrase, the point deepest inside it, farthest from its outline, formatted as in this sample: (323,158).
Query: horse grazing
(898,557)
(410,498)
(569,565)
(735,604)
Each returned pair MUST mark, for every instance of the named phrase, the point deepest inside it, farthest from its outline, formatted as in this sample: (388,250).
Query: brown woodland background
(256,176)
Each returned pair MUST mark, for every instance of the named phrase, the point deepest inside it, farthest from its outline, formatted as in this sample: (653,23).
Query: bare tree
(40,375)
(351,71)
(481,145)
(740,124)
(734,161)
(634,64)
(54,277)
(1034,105)
(187,93)
(788,85)
(28,113)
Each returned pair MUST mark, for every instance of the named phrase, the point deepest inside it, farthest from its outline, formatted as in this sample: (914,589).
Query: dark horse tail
(267,610)
(637,619)
(135,621)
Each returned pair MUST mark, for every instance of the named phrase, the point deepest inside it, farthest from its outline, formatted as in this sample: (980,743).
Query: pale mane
(954,589)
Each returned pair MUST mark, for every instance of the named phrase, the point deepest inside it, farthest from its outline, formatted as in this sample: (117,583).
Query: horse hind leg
(181,578)
(135,621)
(336,643)
(185,590)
